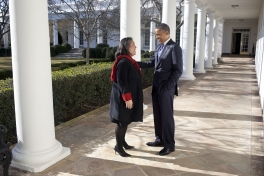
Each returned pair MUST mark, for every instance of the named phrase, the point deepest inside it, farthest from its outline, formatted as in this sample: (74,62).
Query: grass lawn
(6,62)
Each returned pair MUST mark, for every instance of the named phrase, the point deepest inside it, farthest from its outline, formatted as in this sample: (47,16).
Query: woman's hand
(129,104)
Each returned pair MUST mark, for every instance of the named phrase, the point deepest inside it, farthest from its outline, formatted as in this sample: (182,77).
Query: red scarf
(113,73)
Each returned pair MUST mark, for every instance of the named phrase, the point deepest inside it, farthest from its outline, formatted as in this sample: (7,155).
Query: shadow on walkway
(219,131)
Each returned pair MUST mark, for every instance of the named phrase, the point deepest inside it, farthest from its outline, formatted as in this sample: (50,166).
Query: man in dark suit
(167,60)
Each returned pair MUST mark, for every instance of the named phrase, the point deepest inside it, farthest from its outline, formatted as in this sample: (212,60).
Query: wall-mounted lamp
(234,6)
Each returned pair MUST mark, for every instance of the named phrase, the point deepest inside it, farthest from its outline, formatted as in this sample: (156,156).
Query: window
(81,38)
(147,37)
(195,34)
(245,39)
(241,30)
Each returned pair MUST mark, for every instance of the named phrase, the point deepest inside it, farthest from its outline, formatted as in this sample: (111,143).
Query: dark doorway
(236,43)
(59,38)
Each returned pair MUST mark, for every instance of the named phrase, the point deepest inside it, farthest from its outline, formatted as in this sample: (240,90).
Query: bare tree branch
(87,14)
(4,18)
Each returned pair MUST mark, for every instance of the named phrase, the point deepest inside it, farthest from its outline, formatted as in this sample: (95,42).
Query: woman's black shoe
(123,153)
(128,146)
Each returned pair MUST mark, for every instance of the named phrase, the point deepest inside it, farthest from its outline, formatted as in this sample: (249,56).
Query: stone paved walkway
(219,131)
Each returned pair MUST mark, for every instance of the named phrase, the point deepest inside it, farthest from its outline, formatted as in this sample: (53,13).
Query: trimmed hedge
(145,55)
(5,74)
(73,88)
(55,50)
(5,52)
(101,52)
(102,45)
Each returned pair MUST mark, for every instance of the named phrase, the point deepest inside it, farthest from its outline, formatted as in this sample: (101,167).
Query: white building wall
(259,57)
(114,39)
(228,30)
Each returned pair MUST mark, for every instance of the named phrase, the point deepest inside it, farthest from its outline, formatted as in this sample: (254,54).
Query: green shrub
(151,53)
(73,88)
(99,60)
(4,74)
(67,47)
(59,49)
(7,113)
(110,53)
(92,53)
(5,52)
(53,51)
(98,52)
(102,45)
(2,52)
(61,66)
(142,51)
(103,52)
(145,55)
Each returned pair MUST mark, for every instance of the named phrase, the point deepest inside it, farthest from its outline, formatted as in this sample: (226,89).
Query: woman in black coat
(126,101)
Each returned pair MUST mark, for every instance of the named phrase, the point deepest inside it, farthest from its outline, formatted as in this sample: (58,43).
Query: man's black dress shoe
(155,143)
(166,151)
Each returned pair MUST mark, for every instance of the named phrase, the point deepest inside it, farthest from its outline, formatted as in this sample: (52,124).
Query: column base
(38,167)
(187,77)
(145,106)
(215,63)
(199,71)
(208,67)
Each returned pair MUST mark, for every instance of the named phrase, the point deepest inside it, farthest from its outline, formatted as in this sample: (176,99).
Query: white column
(200,40)
(130,25)
(169,16)
(76,39)
(99,34)
(216,28)
(6,37)
(36,148)
(209,41)
(70,35)
(188,39)
(152,46)
(55,32)
(182,30)
(220,39)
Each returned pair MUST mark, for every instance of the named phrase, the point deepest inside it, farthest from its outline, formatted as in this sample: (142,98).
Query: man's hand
(129,104)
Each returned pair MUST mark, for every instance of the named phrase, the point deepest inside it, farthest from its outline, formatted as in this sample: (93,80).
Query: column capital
(189,1)
(221,20)
(216,17)
(202,7)
(211,14)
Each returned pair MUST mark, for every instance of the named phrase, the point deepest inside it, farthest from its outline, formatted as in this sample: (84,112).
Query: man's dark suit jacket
(168,67)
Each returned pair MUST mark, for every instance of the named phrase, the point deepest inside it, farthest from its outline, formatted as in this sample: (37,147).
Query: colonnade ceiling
(246,9)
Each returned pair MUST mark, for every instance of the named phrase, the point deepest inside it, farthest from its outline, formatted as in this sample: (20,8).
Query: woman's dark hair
(123,46)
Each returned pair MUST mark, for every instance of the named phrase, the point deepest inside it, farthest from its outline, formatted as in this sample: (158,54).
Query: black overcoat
(128,81)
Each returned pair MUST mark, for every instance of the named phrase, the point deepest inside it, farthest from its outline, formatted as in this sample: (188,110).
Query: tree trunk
(88,49)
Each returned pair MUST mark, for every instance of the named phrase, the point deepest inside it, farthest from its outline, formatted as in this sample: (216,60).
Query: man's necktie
(160,49)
